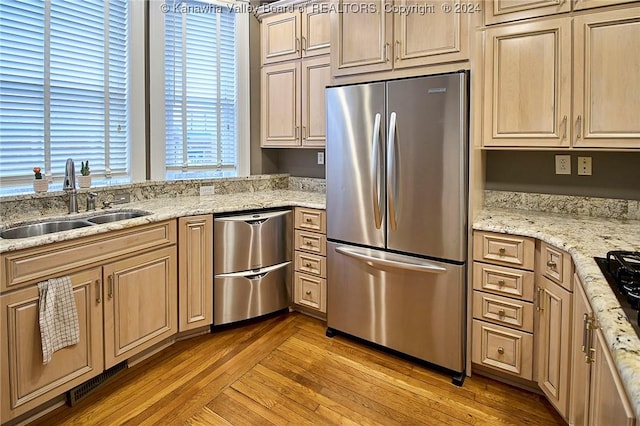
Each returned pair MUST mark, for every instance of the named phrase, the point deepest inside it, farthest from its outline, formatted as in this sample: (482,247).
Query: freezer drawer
(242,295)
(250,241)
(408,304)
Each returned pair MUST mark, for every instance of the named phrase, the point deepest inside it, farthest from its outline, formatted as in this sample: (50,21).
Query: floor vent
(78,393)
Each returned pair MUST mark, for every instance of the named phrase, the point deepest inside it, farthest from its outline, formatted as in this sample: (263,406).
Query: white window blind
(63,89)
(200,89)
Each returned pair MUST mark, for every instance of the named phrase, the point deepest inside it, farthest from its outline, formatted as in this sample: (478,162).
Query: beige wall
(615,174)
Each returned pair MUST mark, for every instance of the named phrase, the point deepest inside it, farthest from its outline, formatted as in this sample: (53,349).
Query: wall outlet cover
(563,164)
(584,166)
(321,158)
(207,190)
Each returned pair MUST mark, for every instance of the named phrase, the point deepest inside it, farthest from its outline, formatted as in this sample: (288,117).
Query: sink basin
(42,228)
(116,216)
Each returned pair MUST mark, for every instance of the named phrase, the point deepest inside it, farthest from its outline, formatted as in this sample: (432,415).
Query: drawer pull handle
(501,283)
(308,292)
(551,264)
(500,350)
(502,251)
(501,313)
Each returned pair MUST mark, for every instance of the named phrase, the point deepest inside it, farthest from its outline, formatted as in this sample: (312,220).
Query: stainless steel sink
(116,216)
(35,229)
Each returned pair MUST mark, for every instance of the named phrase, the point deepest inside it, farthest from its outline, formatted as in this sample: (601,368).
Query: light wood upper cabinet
(280,37)
(295,35)
(195,280)
(316,39)
(553,343)
(26,382)
(606,83)
(361,34)
(429,36)
(281,99)
(316,75)
(497,11)
(397,34)
(527,91)
(140,306)
(293,111)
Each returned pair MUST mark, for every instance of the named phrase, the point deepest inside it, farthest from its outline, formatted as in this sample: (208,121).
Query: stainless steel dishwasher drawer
(241,295)
(250,241)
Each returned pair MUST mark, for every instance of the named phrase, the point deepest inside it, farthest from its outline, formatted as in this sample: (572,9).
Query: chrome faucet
(69,185)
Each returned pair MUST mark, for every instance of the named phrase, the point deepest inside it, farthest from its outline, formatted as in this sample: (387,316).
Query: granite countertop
(585,238)
(170,208)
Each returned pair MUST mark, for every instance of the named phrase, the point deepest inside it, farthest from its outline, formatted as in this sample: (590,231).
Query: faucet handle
(106,204)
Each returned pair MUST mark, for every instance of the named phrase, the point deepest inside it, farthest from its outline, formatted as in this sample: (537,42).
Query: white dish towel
(58,316)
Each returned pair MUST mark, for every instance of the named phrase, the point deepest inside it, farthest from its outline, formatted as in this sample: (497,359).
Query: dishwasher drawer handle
(398,263)
(253,218)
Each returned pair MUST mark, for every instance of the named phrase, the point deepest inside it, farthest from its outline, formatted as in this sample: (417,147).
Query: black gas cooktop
(622,271)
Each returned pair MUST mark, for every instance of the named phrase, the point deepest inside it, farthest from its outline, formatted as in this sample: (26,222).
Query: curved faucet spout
(69,176)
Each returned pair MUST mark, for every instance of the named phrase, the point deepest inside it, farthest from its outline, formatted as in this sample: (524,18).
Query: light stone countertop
(585,238)
(170,208)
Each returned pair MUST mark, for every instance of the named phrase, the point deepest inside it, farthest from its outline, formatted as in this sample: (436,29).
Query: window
(202,53)
(63,90)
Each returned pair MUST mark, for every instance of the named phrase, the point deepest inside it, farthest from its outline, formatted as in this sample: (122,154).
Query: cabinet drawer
(31,265)
(556,265)
(311,220)
(311,264)
(503,310)
(311,242)
(505,281)
(502,348)
(310,291)
(510,250)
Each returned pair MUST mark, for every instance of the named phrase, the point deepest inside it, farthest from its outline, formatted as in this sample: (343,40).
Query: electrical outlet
(584,166)
(207,190)
(563,164)
(321,158)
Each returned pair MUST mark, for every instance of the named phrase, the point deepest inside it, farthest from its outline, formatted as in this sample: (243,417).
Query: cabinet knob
(308,292)
(551,264)
(309,243)
(308,220)
(500,350)
(501,283)
(501,313)
(502,250)
(307,265)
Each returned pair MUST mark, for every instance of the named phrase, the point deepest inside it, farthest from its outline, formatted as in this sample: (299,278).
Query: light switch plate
(584,166)
(563,164)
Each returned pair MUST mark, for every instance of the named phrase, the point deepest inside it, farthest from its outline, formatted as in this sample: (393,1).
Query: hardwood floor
(285,371)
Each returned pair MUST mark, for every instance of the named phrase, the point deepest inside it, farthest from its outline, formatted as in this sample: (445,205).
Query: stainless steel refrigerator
(396,215)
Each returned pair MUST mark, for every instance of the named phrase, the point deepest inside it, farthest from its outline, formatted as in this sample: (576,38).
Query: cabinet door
(195,258)
(316,76)
(497,11)
(280,36)
(140,303)
(360,36)
(527,88)
(428,36)
(609,404)
(553,342)
(316,38)
(581,365)
(588,4)
(281,105)
(606,83)
(26,382)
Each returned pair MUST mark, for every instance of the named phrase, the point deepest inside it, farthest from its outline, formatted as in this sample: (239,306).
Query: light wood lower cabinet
(140,303)
(26,382)
(195,280)
(309,280)
(553,343)
(598,396)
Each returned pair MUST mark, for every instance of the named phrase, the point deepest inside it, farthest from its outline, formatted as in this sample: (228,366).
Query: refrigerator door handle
(375,172)
(392,177)
(391,260)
